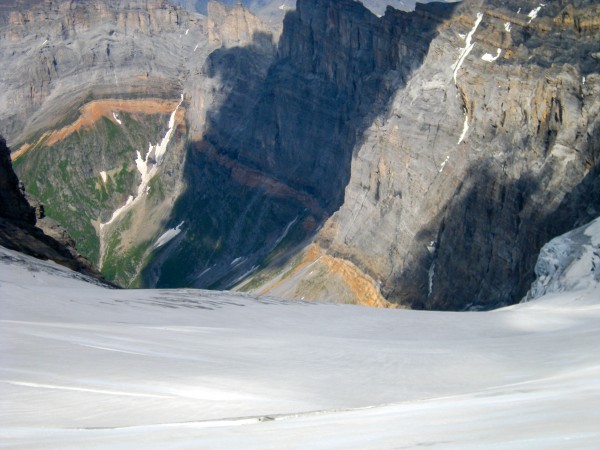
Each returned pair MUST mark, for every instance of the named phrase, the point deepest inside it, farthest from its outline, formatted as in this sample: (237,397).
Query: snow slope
(83,366)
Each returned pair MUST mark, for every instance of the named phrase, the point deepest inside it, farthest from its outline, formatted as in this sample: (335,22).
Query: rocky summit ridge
(419,159)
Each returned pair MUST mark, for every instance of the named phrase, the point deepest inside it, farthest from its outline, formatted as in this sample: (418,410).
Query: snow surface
(104,176)
(507,26)
(89,367)
(168,235)
(468,46)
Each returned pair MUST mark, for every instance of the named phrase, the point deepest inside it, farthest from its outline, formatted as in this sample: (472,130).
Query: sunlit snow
(534,12)
(465,129)
(168,235)
(104,176)
(507,27)
(85,366)
(117,119)
(89,367)
(444,162)
(491,58)
(468,46)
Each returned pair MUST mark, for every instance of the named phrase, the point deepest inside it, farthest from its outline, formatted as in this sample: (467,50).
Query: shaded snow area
(570,262)
(168,235)
(88,367)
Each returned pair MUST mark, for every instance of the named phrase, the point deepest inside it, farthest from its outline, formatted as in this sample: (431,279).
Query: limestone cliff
(490,150)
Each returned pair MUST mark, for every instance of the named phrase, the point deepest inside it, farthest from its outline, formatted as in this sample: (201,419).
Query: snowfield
(83,366)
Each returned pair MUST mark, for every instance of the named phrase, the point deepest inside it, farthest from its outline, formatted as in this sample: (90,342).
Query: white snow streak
(491,58)
(187,31)
(285,232)
(465,128)
(117,119)
(148,166)
(445,162)
(507,26)
(534,12)
(468,46)
(104,176)
(196,47)
(168,235)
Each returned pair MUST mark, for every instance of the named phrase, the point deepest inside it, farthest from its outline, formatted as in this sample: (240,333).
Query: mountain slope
(417,159)
(489,150)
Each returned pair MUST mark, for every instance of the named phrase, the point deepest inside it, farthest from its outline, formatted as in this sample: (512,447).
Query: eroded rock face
(471,170)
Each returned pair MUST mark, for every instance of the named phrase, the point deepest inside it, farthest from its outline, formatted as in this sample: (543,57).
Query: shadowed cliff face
(275,156)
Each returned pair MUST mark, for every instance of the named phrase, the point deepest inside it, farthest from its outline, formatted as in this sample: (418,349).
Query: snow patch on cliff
(117,119)
(168,235)
(465,129)
(468,46)
(104,176)
(491,58)
(147,167)
(534,12)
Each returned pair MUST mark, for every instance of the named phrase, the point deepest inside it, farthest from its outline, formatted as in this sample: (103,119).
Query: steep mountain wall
(490,150)
(419,159)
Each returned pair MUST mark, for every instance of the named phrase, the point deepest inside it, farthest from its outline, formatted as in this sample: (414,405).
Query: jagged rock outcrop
(18,220)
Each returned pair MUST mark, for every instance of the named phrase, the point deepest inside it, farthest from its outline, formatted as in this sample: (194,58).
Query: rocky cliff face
(490,150)
(419,159)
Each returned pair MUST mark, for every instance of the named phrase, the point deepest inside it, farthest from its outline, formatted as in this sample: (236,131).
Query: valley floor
(87,367)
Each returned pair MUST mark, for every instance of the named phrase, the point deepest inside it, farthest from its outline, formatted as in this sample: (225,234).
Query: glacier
(85,366)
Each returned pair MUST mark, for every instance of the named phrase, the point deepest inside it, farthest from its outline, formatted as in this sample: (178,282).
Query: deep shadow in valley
(275,156)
